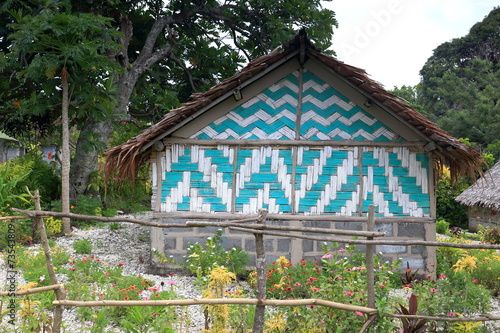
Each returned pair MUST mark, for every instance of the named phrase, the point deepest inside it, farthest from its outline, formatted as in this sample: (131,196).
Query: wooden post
(260,265)
(370,249)
(60,294)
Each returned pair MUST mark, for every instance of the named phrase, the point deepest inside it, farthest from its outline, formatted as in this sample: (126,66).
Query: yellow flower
(467,263)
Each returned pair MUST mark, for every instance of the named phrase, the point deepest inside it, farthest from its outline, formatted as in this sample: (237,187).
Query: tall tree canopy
(168,50)
(460,84)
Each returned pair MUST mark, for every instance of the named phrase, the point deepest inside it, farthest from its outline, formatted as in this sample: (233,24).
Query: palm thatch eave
(485,192)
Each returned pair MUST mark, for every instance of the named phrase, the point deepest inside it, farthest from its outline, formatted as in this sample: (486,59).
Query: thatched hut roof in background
(485,192)
(126,158)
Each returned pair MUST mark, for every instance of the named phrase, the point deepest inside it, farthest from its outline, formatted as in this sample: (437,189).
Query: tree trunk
(65,161)
(85,160)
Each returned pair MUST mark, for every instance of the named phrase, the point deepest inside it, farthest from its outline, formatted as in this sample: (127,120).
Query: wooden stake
(60,294)
(370,249)
(260,265)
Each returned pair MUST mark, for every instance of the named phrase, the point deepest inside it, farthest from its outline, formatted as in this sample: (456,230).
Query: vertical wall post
(260,265)
(370,249)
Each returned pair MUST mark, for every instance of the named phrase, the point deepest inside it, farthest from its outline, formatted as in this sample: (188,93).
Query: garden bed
(126,245)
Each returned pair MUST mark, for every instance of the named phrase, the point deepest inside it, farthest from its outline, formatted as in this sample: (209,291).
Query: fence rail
(259,229)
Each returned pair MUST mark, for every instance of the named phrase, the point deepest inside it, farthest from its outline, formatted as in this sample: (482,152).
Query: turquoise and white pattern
(272,114)
(296,179)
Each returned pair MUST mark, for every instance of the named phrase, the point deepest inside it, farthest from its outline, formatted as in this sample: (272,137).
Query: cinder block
(415,263)
(349,226)
(307,245)
(413,230)
(394,249)
(284,245)
(419,249)
(230,242)
(170,243)
(193,240)
(388,228)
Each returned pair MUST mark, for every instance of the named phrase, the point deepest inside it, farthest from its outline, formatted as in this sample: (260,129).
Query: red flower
(315,289)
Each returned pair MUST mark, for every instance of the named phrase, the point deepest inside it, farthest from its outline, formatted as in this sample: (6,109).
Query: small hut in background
(9,148)
(296,132)
(483,200)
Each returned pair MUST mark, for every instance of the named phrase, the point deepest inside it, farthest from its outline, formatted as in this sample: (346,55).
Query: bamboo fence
(259,229)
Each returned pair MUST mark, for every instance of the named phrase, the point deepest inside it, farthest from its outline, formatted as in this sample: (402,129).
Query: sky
(392,39)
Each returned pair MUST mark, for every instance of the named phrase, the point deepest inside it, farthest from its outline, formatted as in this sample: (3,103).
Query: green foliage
(9,180)
(53,226)
(33,265)
(24,231)
(490,235)
(460,83)
(82,246)
(339,276)
(200,260)
(447,208)
(442,227)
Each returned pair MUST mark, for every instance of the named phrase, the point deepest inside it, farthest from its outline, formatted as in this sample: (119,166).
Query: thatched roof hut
(485,192)
(126,158)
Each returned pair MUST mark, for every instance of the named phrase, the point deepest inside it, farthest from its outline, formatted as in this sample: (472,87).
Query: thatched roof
(460,158)
(5,137)
(485,192)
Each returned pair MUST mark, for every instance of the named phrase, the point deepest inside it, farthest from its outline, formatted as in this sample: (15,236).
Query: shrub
(490,235)
(442,227)
(200,260)
(82,246)
(53,226)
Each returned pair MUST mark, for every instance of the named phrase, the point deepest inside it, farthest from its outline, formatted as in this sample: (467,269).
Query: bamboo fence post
(370,249)
(60,294)
(260,265)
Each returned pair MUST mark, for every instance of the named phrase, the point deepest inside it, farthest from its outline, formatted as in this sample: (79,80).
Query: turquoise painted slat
(183,207)
(212,200)
(184,167)
(225,168)
(218,207)
(206,192)
(245,192)
(174,176)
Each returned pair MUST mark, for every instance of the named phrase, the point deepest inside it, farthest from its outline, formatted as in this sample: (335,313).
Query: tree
(179,45)
(460,83)
(54,46)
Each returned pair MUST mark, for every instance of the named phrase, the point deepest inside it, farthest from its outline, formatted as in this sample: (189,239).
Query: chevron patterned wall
(310,180)
(327,180)
(272,114)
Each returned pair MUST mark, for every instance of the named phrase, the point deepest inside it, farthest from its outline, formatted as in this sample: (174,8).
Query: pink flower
(297,284)
(108,274)
(154,289)
(145,298)
(475,281)
(326,256)
(342,250)
(452,314)
(349,293)
(121,264)
(171,282)
(442,276)
(359,313)
(433,290)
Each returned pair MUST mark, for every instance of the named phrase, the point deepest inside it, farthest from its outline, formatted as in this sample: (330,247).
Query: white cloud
(392,39)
